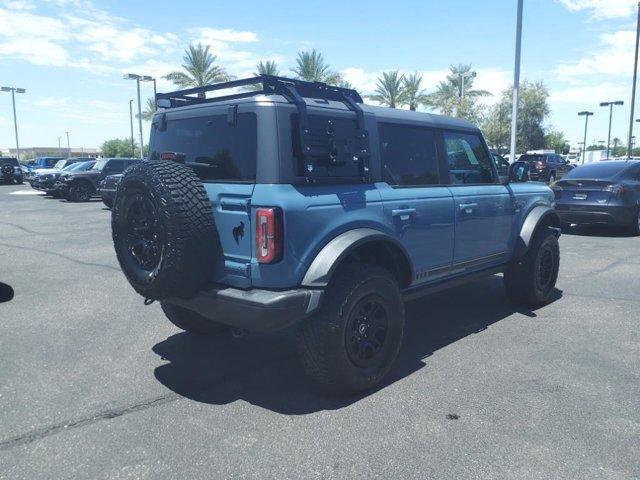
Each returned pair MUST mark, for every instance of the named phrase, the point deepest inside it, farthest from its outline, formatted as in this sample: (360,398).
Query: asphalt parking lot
(95,385)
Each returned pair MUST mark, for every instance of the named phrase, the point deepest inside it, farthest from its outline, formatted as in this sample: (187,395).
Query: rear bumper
(608,215)
(253,310)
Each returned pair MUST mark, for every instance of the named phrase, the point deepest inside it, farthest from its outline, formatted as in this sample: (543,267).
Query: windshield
(597,170)
(99,165)
(80,167)
(60,164)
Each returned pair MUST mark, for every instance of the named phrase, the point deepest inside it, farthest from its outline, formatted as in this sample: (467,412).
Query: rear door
(222,150)
(417,206)
(484,208)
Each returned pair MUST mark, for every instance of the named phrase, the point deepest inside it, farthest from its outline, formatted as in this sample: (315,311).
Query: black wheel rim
(144,244)
(544,269)
(367,331)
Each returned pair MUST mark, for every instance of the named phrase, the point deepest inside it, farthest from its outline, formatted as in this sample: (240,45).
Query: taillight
(539,164)
(173,156)
(616,190)
(268,235)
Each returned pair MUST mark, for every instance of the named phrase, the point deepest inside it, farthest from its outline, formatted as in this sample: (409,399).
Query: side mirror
(519,172)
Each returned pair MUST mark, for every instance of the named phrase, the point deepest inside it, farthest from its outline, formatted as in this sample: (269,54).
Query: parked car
(81,186)
(601,193)
(107,189)
(547,167)
(10,171)
(296,204)
(59,187)
(44,178)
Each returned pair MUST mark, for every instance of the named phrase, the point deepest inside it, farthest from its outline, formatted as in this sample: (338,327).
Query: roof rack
(294,91)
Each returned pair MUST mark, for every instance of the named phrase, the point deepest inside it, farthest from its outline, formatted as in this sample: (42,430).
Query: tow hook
(148,301)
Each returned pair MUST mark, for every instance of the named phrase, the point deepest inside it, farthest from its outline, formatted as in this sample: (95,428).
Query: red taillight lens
(268,235)
(539,164)
(173,156)
(616,190)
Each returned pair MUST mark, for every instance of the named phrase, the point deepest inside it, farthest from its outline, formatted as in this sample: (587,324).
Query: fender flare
(537,216)
(328,259)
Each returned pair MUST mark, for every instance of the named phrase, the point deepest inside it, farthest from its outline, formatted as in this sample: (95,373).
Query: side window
(467,158)
(409,155)
(115,166)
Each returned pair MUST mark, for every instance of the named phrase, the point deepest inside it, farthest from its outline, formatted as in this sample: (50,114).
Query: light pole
(610,105)
(59,148)
(586,116)
(148,78)
(13,91)
(137,78)
(133,146)
(68,145)
(633,89)
(516,83)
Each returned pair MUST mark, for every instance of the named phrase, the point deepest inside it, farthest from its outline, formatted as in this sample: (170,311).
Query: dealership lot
(95,385)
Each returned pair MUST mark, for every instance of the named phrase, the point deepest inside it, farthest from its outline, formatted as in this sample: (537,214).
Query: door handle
(403,213)
(468,207)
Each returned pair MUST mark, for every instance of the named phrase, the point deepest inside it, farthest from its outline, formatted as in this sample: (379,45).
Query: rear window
(597,170)
(216,149)
(531,158)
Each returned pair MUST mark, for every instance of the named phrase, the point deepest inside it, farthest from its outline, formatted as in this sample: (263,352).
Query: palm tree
(150,109)
(389,91)
(264,68)
(456,93)
(312,68)
(199,69)
(413,95)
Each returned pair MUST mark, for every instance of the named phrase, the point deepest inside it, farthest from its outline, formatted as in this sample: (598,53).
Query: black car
(501,164)
(45,179)
(56,190)
(10,171)
(81,186)
(107,189)
(547,167)
(601,193)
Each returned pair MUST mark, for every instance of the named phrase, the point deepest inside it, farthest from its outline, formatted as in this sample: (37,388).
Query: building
(33,152)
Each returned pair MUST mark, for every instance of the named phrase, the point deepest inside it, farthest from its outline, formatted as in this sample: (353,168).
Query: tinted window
(213,147)
(116,166)
(10,161)
(467,158)
(409,155)
(531,158)
(597,170)
(332,141)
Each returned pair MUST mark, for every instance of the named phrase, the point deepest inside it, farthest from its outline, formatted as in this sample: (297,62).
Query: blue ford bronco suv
(294,204)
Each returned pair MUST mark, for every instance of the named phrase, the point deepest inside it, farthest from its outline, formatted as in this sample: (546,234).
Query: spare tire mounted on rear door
(163,230)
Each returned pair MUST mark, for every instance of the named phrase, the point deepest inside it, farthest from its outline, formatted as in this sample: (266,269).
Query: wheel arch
(541,216)
(360,244)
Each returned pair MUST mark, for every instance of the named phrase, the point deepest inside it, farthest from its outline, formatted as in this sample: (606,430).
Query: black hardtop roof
(290,91)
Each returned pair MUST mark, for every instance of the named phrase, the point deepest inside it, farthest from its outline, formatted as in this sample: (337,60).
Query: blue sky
(70,54)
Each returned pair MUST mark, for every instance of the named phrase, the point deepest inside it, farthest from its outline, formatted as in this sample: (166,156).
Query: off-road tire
(80,191)
(522,281)
(322,338)
(6,174)
(190,321)
(187,236)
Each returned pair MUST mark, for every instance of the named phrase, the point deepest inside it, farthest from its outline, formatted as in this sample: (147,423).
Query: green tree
(389,89)
(264,68)
(311,66)
(150,109)
(119,147)
(199,69)
(412,94)
(533,110)
(618,149)
(456,95)
(592,148)
(555,139)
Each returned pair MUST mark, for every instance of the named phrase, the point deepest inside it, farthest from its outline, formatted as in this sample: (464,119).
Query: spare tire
(6,171)
(163,230)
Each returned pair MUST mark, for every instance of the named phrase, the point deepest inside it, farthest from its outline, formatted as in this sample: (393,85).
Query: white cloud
(614,57)
(587,94)
(602,9)
(212,35)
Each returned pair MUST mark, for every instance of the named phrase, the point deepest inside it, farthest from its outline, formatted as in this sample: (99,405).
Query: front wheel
(531,280)
(351,343)
(80,192)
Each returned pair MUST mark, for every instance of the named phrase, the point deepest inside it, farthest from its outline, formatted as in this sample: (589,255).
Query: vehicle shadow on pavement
(262,369)
(6,293)
(597,231)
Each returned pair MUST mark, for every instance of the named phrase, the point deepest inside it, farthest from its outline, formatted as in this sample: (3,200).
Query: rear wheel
(80,192)
(352,342)
(190,321)
(531,280)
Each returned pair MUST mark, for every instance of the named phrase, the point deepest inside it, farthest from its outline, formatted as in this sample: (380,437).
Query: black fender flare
(329,258)
(539,215)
